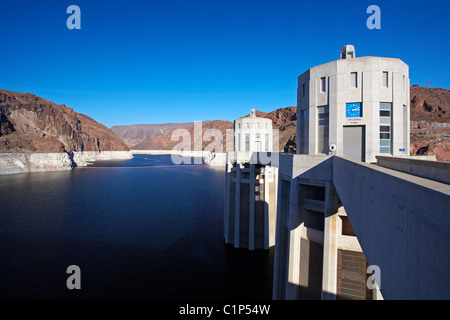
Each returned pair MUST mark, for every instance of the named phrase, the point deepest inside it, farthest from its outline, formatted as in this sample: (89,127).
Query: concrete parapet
(438,171)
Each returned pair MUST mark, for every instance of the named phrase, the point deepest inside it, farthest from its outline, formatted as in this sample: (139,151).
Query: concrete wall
(250,202)
(355,215)
(403,225)
(301,244)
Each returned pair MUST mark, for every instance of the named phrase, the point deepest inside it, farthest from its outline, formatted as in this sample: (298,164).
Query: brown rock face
(29,123)
(438,147)
(430,112)
(430,104)
(134,134)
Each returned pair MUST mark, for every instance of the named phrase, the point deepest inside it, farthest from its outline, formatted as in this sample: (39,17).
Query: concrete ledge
(438,171)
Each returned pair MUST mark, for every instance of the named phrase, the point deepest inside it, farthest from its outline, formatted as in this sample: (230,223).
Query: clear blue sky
(159,61)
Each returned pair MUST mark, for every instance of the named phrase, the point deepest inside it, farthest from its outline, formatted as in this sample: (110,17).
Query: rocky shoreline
(12,163)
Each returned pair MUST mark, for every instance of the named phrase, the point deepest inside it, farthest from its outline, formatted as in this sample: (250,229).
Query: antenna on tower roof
(428,84)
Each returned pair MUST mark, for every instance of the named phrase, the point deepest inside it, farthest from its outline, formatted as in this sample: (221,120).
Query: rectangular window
(323,84)
(302,138)
(247,142)
(405,127)
(304,90)
(258,136)
(239,142)
(354,80)
(266,142)
(323,129)
(385,79)
(257,125)
(385,127)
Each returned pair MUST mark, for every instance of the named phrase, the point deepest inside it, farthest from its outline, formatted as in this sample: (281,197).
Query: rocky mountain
(29,123)
(284,119)
(430,104)
(134,134)
(164,141)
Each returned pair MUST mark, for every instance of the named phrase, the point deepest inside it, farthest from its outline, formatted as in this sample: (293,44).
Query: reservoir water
(138,229)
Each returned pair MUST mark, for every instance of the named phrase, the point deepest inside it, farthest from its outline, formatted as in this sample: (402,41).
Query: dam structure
(357,218)
(251,184)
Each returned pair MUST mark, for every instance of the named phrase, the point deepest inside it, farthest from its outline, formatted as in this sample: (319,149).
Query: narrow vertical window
(323,84)
(239,142)
(323,129)
(266,142)
(302,138)
(247,142)
(354,80)
(304,90)
(385,79)
(405,127)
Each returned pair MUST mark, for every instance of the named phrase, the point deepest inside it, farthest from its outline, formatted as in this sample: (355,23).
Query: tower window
(323,129)
(323,84)
(385,79)
(354,80)
(247,142)
(267,142)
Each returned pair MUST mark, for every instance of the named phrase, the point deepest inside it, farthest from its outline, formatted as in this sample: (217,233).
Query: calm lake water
(138,229)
